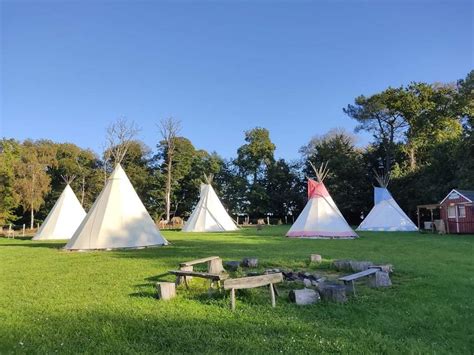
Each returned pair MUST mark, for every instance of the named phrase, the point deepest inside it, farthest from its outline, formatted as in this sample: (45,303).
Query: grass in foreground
(95,302)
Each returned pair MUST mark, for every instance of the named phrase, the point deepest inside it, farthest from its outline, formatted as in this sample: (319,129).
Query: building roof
(468,194)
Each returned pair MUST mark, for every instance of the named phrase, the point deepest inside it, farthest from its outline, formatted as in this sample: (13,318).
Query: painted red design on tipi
(316,189)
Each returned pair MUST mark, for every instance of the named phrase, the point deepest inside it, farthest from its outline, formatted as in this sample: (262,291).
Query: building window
(462,211)
(452,212)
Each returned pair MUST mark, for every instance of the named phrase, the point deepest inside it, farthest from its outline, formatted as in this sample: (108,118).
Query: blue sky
(69,68)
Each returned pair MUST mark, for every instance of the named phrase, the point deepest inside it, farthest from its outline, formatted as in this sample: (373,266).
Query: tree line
(422,136)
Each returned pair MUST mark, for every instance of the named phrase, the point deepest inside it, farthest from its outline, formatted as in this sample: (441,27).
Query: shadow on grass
(51,245)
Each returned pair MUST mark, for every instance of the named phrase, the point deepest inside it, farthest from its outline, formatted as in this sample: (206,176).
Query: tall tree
(169,129)
(379,114)
(420,116)
(9,158)
(348,180)
(32,182)
(253,160)
(284,189)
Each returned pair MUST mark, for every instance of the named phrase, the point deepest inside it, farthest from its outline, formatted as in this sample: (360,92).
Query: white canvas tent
(386,215)
(209,215)
(63,219)
(320,218)
(118,219)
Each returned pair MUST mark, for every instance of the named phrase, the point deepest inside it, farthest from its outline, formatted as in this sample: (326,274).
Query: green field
(56,301)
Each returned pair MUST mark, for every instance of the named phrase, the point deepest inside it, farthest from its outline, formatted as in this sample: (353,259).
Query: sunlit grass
(51,300)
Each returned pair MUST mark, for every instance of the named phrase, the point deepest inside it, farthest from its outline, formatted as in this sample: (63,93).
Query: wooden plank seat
(252,282)
(215,271)
(351,278)
(198,261)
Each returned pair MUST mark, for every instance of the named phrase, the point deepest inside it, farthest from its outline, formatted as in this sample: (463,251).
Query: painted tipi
(209,215)
(386,215)
(64,218)
(320,218)
(118,219)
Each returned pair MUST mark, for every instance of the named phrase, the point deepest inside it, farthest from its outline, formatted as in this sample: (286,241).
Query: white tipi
(320,218)
(386,215)
(118,219)
(209,215)
(64,218)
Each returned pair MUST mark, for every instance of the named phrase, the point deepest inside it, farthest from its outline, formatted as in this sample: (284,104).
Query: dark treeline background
(422,134)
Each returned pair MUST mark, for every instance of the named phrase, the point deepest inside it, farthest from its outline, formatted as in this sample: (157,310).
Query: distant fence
(16,230)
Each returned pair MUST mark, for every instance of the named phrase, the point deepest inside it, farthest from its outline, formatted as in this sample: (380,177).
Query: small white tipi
(386,215)
(64,218)
(209,215)
(320,218)
(118,219)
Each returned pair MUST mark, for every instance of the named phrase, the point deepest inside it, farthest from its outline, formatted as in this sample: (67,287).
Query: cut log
(333,293)
(304,297)
(315,258)
(384,267)
(214,266)
(380,279)
(307,282)
(250,262)
(165,290)
(357,266)
(342,265)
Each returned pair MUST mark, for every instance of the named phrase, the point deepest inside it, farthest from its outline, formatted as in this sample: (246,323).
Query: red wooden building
(457,211)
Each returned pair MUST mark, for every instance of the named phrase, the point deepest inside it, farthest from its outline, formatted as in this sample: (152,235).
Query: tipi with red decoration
(320,218)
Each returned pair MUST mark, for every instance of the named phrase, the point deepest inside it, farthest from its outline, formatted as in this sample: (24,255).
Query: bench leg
(232,299)
(178,280)
(186,282)
(272,295)
(353,288)
(276,290)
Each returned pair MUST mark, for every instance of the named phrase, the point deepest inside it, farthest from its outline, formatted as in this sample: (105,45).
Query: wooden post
(232,299)
(23,229)
(418,215)
(37,226)
(432,221)
(10,230)
(268,220)
(272,295)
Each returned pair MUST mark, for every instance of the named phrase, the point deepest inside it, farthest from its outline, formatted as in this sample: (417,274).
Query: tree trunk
(412,158)
(105,173)
(168,189)
(83,190)
(32,222)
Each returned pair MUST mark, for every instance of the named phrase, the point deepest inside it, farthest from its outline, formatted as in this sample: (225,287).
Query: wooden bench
(252,282)
(215,271)
(358,275)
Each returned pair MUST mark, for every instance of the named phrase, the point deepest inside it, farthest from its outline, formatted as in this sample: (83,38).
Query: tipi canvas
(320,218)
(209,215)
(63,220)
(386,215)
(118,219)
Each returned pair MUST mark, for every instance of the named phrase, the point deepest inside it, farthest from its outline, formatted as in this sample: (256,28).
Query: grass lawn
(55,301)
